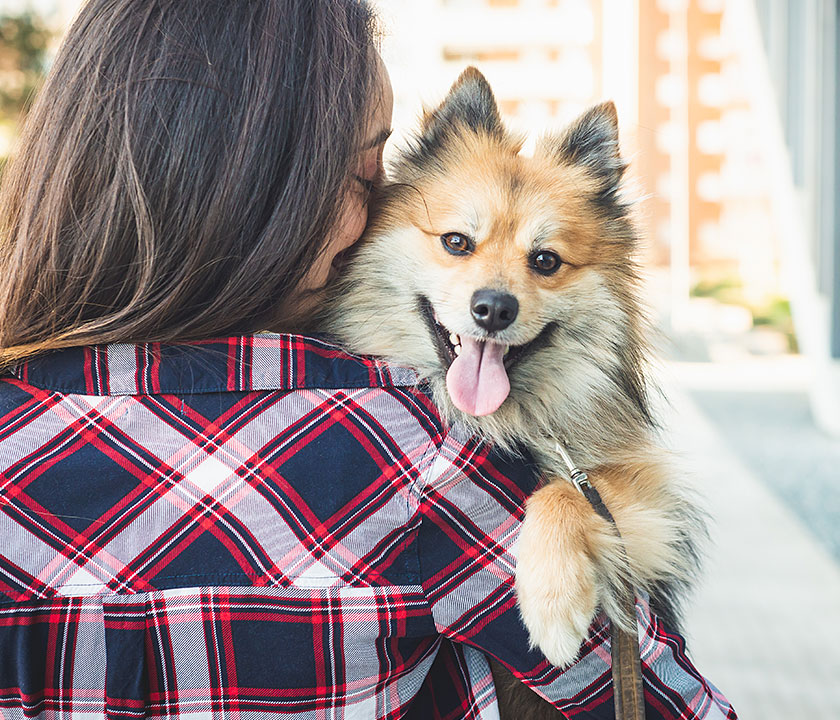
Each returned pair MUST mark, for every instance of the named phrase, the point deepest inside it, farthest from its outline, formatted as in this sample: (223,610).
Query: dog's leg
(570,560)
(566,561)
(662,529)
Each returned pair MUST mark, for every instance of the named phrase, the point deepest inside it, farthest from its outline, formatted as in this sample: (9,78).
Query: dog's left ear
(591,142)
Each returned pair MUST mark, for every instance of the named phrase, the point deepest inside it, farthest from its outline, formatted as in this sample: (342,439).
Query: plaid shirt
(264,525)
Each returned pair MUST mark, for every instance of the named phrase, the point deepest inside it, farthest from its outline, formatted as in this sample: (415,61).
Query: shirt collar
(265,361)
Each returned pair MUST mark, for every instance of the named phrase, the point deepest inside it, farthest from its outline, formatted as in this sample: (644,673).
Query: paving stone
(764,626)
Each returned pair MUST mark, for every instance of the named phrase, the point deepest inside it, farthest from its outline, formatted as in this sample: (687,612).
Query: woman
(198,518)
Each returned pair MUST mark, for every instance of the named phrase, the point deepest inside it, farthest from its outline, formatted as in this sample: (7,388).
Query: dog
(510,284)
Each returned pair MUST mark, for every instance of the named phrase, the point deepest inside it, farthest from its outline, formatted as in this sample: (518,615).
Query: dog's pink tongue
(477,381)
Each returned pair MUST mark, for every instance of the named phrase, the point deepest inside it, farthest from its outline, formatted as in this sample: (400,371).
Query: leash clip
(577,476)
(628,688)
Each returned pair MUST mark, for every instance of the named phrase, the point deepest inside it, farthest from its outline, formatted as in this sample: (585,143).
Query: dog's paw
(556,579)
(556,624)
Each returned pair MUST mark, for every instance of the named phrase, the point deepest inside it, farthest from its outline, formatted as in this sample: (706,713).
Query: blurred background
(730,116)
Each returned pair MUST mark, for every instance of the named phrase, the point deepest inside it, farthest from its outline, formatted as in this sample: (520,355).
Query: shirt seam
(64,390)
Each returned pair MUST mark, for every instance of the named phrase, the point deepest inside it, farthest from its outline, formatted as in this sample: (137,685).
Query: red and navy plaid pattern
(264,525)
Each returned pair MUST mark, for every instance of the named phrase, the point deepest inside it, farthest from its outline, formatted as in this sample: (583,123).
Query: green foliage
(773,313)
(727,289)
(776,314)
(24,40)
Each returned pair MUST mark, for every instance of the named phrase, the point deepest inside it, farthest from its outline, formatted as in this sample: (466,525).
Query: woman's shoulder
(272,380)
(260,361)
(315,377)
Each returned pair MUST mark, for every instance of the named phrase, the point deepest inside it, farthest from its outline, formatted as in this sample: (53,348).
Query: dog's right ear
(470,105)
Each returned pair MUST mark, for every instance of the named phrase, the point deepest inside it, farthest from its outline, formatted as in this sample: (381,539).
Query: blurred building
(739,192)
(797,73)
(664,64)
(544,58)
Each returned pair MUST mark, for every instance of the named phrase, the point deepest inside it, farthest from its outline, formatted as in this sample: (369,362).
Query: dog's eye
(457,244)
(545,262)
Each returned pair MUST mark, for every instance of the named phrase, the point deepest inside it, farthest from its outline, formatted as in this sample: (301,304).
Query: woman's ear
(590,142)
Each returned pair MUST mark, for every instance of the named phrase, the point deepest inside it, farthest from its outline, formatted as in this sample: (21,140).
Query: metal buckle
(577,476)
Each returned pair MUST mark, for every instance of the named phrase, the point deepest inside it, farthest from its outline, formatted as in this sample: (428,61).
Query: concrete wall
(801,44)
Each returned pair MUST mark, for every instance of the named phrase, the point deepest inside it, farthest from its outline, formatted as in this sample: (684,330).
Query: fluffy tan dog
(509,283)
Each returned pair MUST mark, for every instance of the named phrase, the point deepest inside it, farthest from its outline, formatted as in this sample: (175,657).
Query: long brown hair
(180,170)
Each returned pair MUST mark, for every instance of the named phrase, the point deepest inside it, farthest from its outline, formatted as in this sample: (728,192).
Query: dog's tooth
(507,349)
(454,339)
(457,349)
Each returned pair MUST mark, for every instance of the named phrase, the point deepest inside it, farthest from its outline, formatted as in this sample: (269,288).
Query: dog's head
(497,273)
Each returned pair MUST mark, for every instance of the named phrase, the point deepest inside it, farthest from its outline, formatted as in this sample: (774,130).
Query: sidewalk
(765,625)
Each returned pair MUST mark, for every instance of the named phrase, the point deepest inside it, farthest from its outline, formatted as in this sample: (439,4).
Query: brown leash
(628,688)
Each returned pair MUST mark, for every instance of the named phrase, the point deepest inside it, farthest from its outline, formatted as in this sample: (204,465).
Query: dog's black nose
(494,310)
